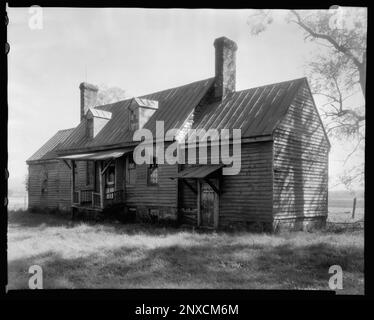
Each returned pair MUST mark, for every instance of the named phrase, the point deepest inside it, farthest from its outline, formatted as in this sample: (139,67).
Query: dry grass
(110,255)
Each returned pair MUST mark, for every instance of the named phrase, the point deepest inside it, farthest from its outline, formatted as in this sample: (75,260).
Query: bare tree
(337,72)
(108,95)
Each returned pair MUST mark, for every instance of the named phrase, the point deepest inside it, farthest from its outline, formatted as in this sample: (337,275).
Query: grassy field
(114,255)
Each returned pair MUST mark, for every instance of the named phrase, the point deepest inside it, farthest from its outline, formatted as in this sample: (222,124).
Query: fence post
(354,208)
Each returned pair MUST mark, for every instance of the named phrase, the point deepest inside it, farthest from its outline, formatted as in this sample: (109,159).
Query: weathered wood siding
(55,177)
(300,162)
(164,194)
(64,186)
(145,197)
(245,197)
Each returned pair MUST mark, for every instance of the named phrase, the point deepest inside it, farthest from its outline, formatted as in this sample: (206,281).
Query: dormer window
(140,111)
(95,121)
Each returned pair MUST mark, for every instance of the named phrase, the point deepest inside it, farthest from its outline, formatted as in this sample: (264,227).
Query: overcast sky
(139,50)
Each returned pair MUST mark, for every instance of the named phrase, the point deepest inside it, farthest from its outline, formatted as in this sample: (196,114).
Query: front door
(109,182)
(209,203)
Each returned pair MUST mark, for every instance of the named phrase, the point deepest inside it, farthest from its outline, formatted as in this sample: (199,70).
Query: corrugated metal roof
(174,106)
(255,111)
(48,150)
(103,155)
(199,172)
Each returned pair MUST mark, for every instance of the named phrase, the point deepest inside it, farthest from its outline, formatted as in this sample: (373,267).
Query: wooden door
(208,205)
(110,181)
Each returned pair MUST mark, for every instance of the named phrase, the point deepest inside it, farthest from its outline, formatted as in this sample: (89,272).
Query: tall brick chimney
(88,97)
(225,77)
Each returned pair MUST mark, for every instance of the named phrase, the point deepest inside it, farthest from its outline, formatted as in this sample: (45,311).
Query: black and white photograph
(166,148)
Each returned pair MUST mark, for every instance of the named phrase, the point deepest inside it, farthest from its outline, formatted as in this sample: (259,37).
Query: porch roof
(199,172)
(101,155)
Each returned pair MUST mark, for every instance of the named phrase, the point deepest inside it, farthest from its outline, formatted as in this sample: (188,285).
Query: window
(75,167)
(131,171)
(153,173)
(90,171)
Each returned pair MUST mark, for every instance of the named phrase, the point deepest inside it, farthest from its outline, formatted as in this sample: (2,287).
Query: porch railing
(91,198)
(96,201)
(86,196)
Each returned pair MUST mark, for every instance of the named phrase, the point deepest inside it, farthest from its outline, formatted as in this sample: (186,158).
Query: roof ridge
(62,130)
(184,85)
(272,84)
(153,93)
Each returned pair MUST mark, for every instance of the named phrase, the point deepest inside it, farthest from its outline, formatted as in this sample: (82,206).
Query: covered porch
(106,189)
(205,182)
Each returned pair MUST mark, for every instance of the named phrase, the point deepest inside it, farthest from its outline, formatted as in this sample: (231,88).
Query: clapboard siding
(64,200)
(164,194)
(247,196)
(54,177)
(300,162)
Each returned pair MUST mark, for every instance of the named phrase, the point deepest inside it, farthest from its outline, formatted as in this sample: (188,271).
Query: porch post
(101,181)
(72,187)
(216,204)
(198,202)
(94,176)
(72,180)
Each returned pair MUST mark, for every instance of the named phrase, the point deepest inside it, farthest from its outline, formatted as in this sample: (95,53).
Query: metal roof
(48,149)
(100,113)
(146,103)
(199,172)
(174,106)
(104,155)
(256,111)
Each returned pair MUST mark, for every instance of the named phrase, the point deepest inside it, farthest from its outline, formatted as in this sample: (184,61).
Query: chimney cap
(226,42)
(89,86)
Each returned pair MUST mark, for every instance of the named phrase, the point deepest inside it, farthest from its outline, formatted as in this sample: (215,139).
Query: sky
(138,50)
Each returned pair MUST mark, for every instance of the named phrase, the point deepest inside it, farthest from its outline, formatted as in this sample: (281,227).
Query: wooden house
(283,177)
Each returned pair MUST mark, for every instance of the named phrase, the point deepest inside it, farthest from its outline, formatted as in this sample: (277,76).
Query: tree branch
(326,37)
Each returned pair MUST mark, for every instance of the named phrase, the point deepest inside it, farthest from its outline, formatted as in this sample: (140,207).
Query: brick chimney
(225,76)
(88,97)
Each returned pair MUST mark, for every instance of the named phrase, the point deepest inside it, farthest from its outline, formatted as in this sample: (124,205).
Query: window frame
(150,169)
